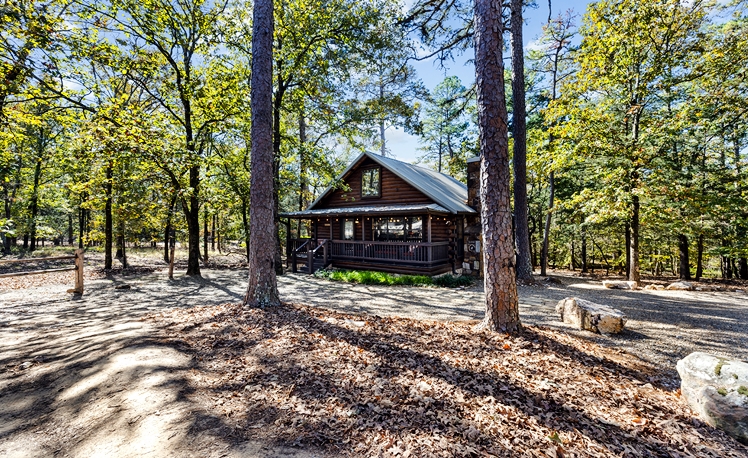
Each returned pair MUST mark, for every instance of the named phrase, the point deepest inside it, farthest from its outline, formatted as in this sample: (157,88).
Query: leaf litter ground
(359,385)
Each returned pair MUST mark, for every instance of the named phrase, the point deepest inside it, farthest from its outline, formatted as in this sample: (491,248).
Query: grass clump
(743,390)
(722,391)
(368,277)
(718,368)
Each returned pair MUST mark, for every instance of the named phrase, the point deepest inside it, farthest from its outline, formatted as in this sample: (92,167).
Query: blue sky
(404,146)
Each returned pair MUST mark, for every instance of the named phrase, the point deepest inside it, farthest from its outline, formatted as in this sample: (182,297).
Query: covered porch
(417,239)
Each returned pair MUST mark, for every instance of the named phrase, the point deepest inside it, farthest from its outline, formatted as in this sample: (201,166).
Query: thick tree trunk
(519,133)
(108,229)
(192,214)
(634,266)
(245,221)
(81,222)
(502,310)
(743,268)
(547,228)
(262,289)
(684,268)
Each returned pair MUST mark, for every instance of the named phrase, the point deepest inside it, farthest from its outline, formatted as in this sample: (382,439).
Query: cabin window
(370,183)
(399,229)
(348,229)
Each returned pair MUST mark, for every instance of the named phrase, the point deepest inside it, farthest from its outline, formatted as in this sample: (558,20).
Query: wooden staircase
(312,258)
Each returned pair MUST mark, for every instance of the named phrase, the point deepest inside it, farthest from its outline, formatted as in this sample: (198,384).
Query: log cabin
(386,215)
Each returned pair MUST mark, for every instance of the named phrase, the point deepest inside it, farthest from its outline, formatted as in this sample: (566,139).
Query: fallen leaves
(397,387)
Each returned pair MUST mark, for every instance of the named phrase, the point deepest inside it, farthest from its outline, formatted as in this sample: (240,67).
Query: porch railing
(394,252)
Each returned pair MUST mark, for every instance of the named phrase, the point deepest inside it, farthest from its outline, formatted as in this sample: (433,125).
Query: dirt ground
(91,377)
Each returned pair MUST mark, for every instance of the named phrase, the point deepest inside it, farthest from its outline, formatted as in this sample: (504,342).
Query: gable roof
(445,190)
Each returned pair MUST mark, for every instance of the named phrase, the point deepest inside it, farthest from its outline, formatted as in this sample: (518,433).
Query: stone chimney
(473,260)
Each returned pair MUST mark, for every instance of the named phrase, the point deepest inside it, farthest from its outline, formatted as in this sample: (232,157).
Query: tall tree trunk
(34,204)
(743,268)
(192,214)
(303,171)
(70,229)
(167,228)
(547,228)
(121,240)
(634,266)
(81,221)
(382,139)
(700,257)
(584,252)
(205,235)
(502,309)
(262,289)
(213,232)
(108,238)
(245,221)
(684,269)
(627,239)
(519,133)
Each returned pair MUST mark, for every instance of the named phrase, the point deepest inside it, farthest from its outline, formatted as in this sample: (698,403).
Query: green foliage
(367,277)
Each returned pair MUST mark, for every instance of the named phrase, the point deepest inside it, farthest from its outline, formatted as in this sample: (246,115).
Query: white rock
(716,389)
(680,286)
(590,316)
(619,284)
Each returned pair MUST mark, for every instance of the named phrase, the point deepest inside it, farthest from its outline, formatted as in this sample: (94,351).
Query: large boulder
(654,287)
(680,286)
(619,284)
(716,389)
(590,316)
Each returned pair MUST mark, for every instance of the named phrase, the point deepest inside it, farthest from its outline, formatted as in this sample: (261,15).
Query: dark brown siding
(439,229)
(394,190)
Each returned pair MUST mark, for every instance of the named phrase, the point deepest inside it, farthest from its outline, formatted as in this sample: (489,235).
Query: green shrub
(368,277)
(449,281)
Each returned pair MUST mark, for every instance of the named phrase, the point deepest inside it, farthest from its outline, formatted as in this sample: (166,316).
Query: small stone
(714,389)
(122,287)
(25,365)
(680,286)
(590,316)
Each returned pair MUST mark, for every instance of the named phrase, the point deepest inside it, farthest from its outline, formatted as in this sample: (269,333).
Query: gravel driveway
(91,369)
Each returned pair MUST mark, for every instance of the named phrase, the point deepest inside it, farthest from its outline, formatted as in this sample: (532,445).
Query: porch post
(430,248)
(289,248)
(330,228)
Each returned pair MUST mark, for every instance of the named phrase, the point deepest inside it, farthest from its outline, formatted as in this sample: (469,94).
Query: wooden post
(310,258)
(78,272)
(324,252)
(173,244)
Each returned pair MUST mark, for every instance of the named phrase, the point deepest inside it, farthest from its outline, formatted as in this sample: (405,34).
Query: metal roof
(369,210)
(445,190)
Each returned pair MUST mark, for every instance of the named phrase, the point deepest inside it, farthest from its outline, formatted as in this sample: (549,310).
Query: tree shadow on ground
(384,385)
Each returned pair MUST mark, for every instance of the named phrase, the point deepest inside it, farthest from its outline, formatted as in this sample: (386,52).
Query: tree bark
(743,268)
(167,228)
(584,253)
(700,257)
(192,214)
(502,310)
(634,266)
(108,229)
(205,236)
(262,289)
(627,237)
(34,204)
(547,228)
(519,133)
(684,269)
